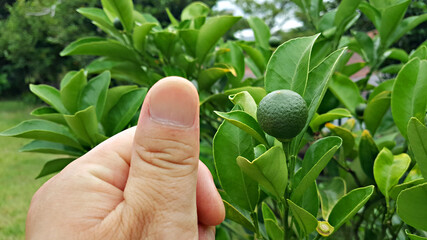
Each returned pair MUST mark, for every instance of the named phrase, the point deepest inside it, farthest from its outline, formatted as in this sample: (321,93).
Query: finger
(210,209)
(206,232)
(161,187)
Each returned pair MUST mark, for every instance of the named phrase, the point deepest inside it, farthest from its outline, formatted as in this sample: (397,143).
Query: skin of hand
(144,183)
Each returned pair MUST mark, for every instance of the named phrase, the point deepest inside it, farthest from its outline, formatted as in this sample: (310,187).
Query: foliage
(357,169)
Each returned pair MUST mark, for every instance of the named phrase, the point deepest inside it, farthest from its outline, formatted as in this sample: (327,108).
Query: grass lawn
(17,172)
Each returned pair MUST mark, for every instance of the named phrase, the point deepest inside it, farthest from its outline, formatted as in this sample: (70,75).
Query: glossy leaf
(49,95)
(417,136)
(397,189)
(71,90)
(120,70)
(330,192)
(305,220)
(50,147)
(384,86)
(315,160)
(288,67)
(123,111)
(235,58)
(274,231)
(345,14)
(371,12)
(269,170)
(408,96)
(99,18)
(165,42)
(353,68)
(85,125)
(257,93)
(211,32)
(411,206)
(391,16)
(346,136)
(99,47)
(329,116)
(43,130)
(375,111)
(346,91)
(261,32)
(123,9)
(140,34)
(54,166)
(405,26)
(95,93)
(388,169)
(256,55)
(413,236)
(349,205)
(189,36)
(245,122)
(368,152)
(397,54)
(233,214)
(229,143)
(113,96)
(209,76)
(50,114)
(195,10)
(420,52)
(245,100)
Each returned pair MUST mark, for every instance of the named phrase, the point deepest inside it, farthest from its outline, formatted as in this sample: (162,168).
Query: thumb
(161,186)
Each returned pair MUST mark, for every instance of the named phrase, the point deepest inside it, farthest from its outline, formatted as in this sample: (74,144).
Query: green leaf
(274,231)
(211,32)
(384,86)
(165,42)
(123,9)
(189,36)
(195,10)
(119,69)
(305,220)
(345,14)
(51,147)
(50,114)
(420,53)
(397,54)
(261,32)
(405,26)
(346,91)
(229,143)
(85,125)
(392,69)
(408,95)
(269,170)
(100,47)
(71,90)
(368,152)
(43,130)
(172,19)
(258,93)
(397,189)
(349,205)
(54,166)
(95,93)
(100,19)
(329,116)
(234,215)
(411,206)
(256,56)
(330,192)
(288,67)
(375,111)
(235,58)
(391,16)
(245,122)
(209,76)
(139,35)
(388,169)
(315,160)
(346,136)
(366,45)
(49,95)
(123,111)
(113,96)
(371,12)
(351,69)
(246,102)
(417,136)
(413,236)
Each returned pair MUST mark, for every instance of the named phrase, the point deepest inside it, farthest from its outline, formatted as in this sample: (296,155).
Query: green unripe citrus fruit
(275,41)
(360,109)
(117,24)
(282,114)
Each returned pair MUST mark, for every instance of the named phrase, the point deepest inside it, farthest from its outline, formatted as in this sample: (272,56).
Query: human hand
(144,183)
